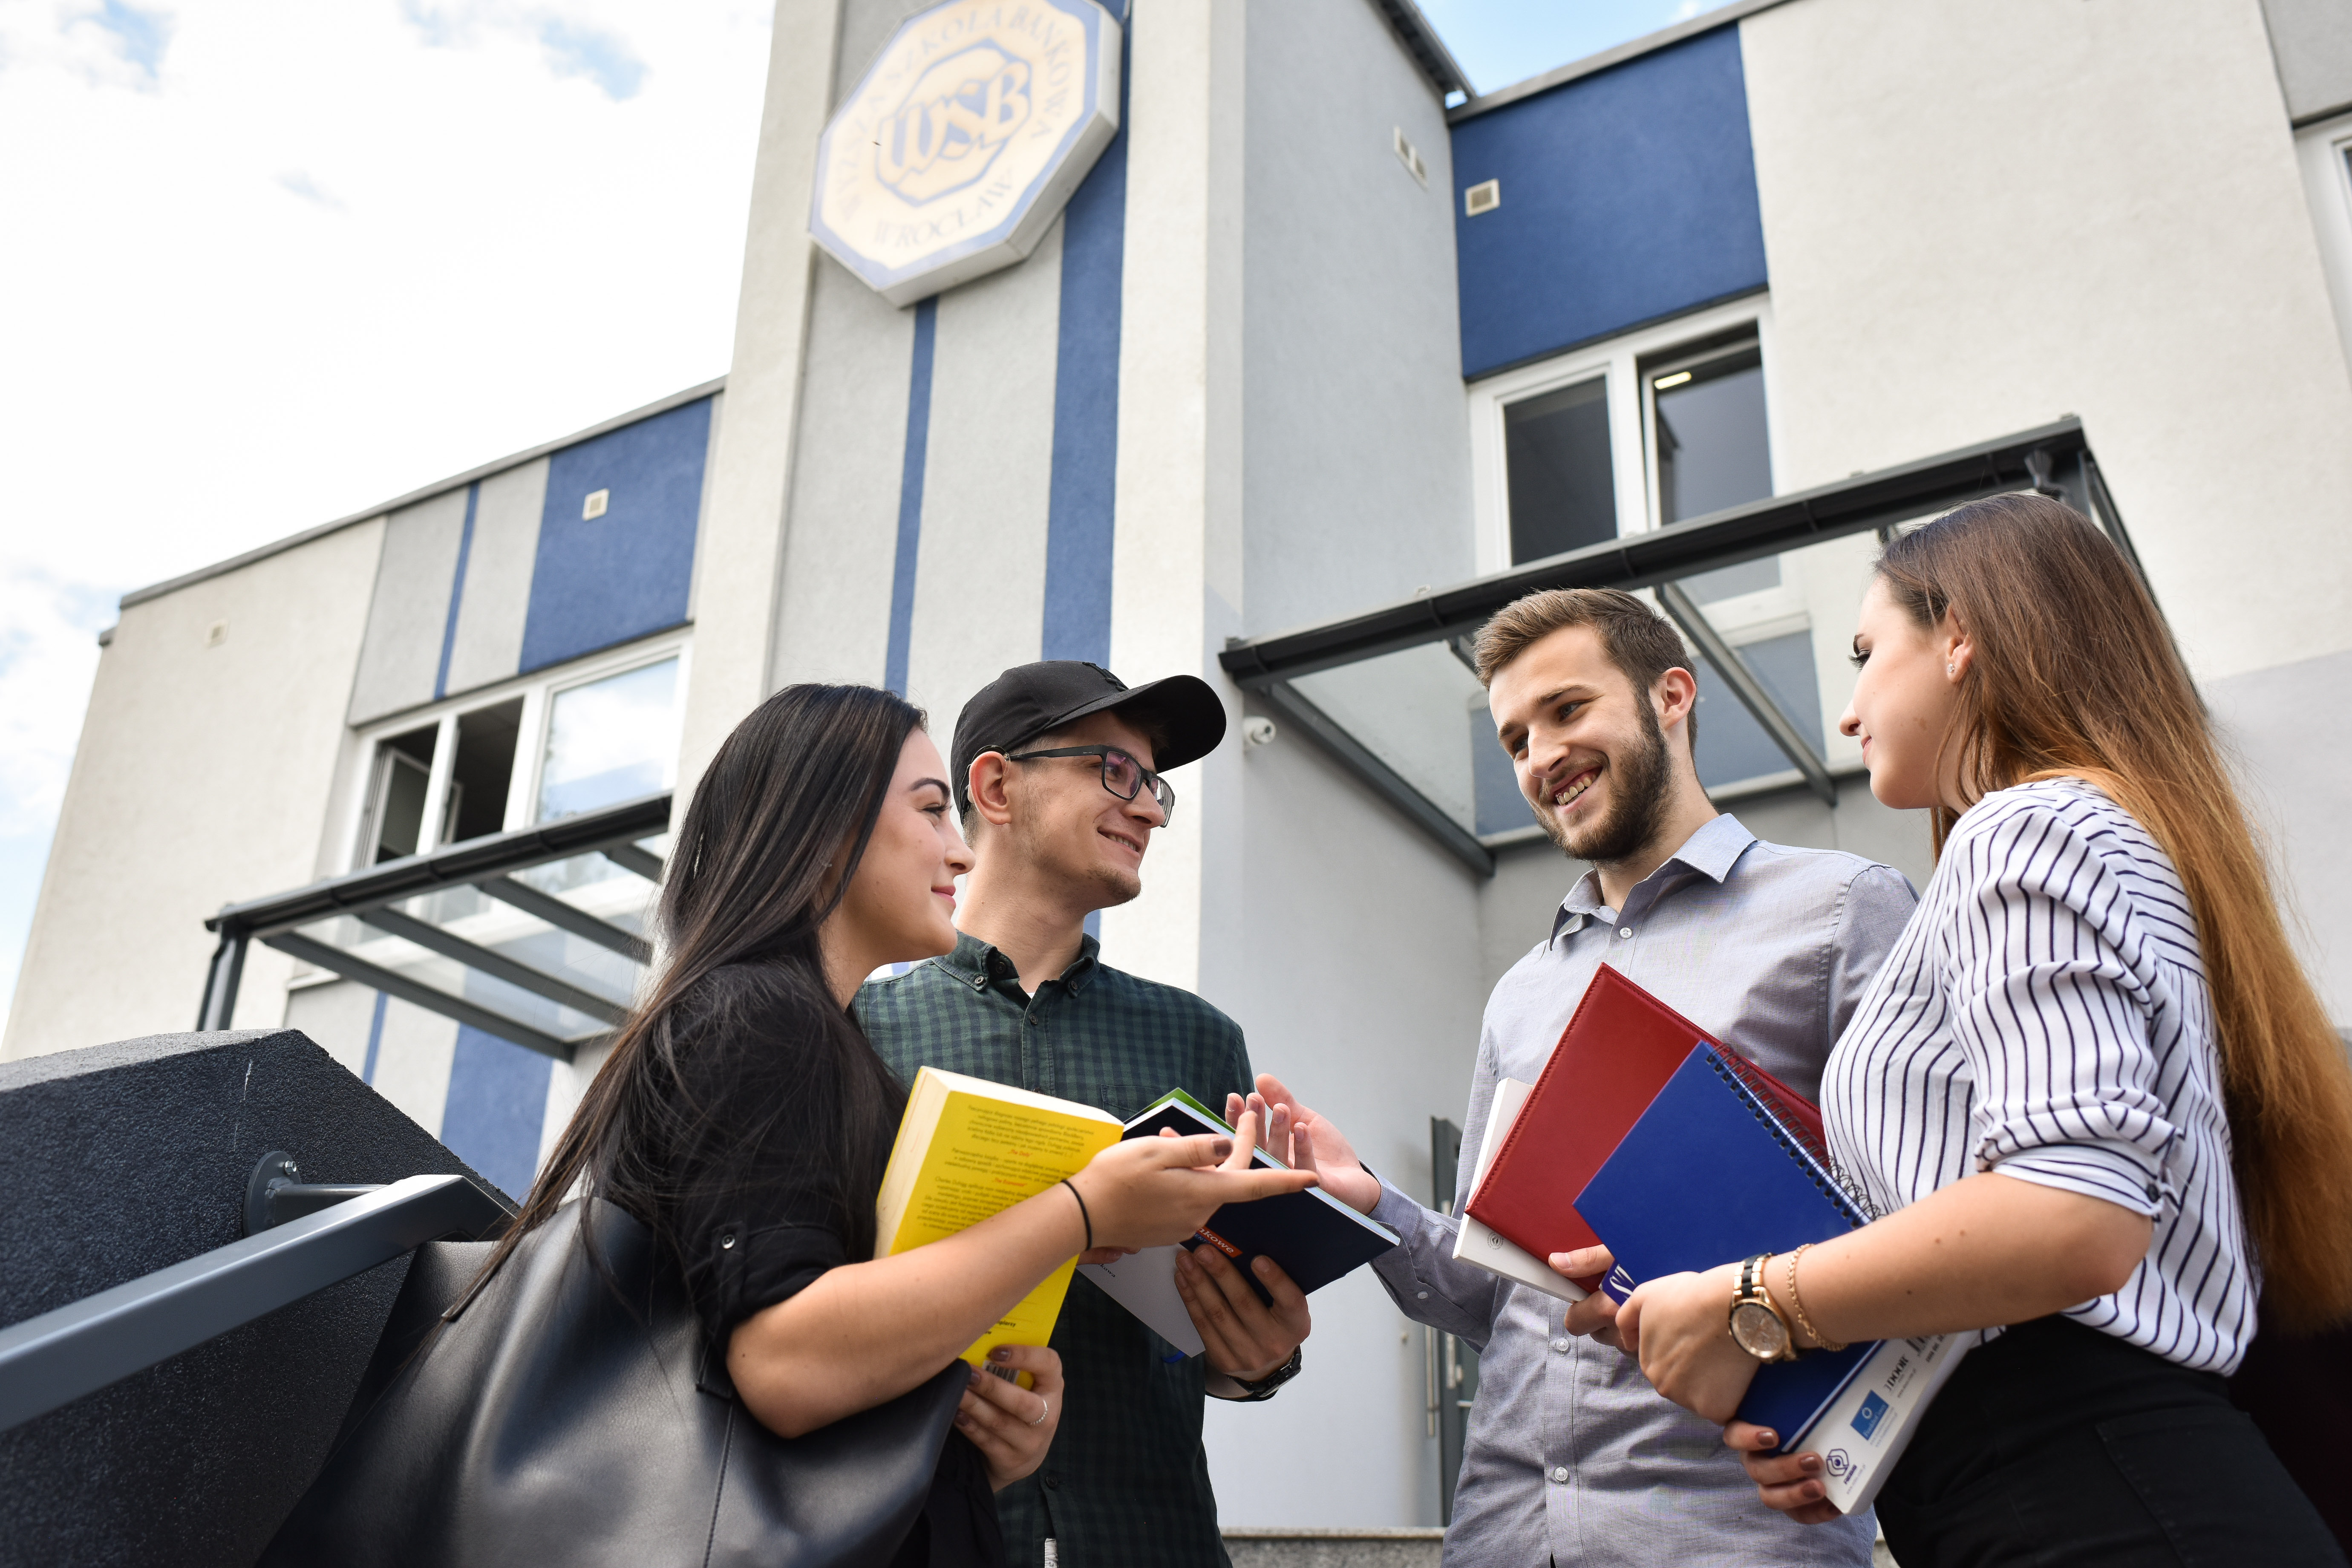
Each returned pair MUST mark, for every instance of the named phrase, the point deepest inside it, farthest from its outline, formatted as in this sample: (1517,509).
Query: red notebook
(1618,1051)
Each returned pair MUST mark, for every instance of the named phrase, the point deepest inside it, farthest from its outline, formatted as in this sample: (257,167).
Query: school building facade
(1235,337)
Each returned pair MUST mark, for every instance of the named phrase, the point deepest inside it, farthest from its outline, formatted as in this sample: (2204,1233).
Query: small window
(610,740)
(482,772)
(1563,487)
(395,821)
(1710,447)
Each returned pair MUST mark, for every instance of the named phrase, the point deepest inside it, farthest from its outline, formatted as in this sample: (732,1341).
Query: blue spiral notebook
(1707,1175)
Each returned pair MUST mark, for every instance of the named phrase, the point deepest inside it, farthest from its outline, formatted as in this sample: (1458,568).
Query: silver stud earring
(1951,669)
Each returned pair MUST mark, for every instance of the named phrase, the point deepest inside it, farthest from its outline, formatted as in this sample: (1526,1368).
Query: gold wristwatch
(1757,1326)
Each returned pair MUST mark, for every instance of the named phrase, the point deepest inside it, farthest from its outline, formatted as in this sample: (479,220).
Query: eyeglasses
(1121,775)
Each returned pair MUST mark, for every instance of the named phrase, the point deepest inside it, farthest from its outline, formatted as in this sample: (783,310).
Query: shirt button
(1560,1345)
(1624,930)
(1559,1474)
(1421,1295)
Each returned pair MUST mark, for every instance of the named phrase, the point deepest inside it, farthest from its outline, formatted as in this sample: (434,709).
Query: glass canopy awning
(536,935)
(1765,594)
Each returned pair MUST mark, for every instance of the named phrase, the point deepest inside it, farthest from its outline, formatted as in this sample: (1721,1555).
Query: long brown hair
(777,827)
(2075,674)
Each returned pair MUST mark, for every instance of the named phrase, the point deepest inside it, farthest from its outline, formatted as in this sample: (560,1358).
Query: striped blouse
(2045,1014)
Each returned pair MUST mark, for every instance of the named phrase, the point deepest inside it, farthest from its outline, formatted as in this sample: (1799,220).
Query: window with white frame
(1661,426)
(533,750)
(592,733)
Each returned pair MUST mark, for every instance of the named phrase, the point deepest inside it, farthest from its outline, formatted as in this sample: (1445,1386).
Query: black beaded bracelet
(1083,1214)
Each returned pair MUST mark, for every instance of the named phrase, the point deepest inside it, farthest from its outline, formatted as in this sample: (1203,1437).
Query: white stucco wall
(203,776)
(751,455)
(1980,215)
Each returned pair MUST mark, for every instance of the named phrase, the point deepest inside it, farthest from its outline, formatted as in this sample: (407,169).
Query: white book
(1477,1244)
(1862,1432)
(1145,1284)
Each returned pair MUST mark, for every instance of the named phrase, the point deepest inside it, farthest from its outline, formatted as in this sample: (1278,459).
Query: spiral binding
(1827,1174)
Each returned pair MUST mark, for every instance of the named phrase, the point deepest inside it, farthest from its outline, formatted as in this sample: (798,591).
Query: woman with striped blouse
(2092,1092)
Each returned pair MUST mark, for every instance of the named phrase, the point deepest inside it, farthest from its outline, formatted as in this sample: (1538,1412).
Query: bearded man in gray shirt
(1571,1456)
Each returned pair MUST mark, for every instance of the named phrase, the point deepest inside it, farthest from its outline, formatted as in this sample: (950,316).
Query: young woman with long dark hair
(744,1118)
(2091,1091)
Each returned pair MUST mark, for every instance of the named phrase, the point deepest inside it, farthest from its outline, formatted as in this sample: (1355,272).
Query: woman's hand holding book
(1156,1192)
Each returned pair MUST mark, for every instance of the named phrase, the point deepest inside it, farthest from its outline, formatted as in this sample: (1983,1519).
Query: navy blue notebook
(1709,1176)
(1312,1236)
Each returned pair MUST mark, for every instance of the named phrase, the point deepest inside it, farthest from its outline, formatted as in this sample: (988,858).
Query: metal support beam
(1749,689)
(1384,781)
(222,978)
(567,917)
(498,965)
(1680,550)
(487,863)
(335,960)
(451,865)
(2103,511)
(55,1358)
(629,858)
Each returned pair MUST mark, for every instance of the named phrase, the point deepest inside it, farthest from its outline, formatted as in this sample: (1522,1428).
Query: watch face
(1758,1332)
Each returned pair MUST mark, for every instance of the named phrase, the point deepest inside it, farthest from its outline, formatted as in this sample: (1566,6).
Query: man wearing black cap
(1057,770)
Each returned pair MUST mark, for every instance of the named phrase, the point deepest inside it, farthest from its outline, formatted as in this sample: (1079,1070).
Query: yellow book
(968,1149)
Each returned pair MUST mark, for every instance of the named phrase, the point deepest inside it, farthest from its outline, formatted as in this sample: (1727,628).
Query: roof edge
(1664,37)
(439,487)
(1428,50)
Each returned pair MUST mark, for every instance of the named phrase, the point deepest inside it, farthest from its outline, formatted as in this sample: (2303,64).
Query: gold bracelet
(1797,1304)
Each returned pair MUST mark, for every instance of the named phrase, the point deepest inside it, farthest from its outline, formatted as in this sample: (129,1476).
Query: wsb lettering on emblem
(952,123)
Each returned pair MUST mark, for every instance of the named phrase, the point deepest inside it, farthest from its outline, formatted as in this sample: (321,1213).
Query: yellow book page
(983,1157)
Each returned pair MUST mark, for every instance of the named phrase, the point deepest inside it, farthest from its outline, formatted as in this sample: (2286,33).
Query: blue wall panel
(1079,520)
(498,1100)
(602,581)
(1626,196)
(911,468)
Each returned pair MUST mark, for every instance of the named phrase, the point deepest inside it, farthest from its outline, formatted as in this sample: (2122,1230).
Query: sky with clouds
(273,261)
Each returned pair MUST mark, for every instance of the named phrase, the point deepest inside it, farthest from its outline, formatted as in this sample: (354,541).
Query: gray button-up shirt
(1571,1456)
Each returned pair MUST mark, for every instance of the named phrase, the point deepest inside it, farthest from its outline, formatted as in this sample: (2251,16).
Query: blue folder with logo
(1709,1176)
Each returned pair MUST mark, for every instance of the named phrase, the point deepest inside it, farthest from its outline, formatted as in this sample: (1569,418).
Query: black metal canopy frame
(488,864)
(2055,459)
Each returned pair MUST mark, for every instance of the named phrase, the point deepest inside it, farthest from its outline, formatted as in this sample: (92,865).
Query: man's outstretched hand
(1305,1141)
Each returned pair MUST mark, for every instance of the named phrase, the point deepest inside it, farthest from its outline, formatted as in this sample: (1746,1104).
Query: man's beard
(1638,802)
(1108,886)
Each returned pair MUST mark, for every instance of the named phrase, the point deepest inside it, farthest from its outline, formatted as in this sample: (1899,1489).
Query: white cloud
(137,37)
(272,261)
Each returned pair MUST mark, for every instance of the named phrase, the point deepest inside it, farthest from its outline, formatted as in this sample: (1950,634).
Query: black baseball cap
(1182,713)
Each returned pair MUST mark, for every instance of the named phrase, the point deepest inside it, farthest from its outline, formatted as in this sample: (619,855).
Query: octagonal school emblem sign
(963,140)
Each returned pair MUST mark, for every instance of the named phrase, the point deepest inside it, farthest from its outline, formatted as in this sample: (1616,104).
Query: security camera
(1257,731)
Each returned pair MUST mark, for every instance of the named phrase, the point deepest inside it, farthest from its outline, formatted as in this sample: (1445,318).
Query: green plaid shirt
(1125,1484)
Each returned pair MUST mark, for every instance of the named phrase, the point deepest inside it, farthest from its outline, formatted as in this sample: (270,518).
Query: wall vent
(1483,198)
(594,507)
(1409,156)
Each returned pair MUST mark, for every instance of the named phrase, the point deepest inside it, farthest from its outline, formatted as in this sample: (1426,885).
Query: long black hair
(756,867)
